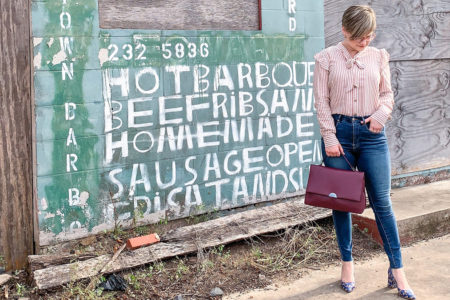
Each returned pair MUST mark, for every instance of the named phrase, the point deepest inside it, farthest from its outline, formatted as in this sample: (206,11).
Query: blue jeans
(370,154)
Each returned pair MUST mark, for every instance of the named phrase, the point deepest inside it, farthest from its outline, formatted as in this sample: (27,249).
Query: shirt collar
(350,61)
(347,54)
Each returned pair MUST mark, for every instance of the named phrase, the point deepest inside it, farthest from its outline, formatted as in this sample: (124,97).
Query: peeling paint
(59,57)
(37,61)
(44,204)
(49,215)
(83,198)
(37,41)
(103,56)
(50,42)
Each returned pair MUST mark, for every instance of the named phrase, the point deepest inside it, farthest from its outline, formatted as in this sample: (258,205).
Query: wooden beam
(189,239)
(180,15)
(37,262)
(16,184)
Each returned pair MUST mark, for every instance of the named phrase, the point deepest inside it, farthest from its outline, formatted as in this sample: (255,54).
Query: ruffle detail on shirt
(322,59)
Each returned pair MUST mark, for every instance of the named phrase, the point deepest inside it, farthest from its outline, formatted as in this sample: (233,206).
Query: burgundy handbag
(336,189)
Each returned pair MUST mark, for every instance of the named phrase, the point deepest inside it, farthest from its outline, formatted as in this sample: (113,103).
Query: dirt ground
(253,263)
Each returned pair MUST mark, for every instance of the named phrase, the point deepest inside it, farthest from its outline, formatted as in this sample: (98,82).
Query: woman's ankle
(347,272)
(400,277)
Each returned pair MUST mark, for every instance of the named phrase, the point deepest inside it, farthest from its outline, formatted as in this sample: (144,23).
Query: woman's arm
(322,100)
(386,96)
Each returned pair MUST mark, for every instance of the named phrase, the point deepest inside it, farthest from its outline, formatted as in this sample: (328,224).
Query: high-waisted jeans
(369,152)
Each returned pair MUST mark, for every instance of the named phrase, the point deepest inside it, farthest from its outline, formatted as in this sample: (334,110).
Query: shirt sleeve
(386,96)
(322,100)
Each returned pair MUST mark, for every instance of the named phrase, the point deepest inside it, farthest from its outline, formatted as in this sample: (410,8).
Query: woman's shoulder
(380,53)
(328,51)
(324,56)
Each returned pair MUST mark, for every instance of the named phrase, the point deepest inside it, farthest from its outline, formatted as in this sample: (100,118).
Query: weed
(150,271)
(206,265)
(256,252)
(160,267)
(163,221)
(181,269)
(297,247)
(118,232)
(141,230)
(220,253)
(138,212)
(134,281)
(20,289)
(198,214)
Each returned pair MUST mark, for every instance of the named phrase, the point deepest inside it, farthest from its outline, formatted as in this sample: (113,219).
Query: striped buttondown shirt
(358,86)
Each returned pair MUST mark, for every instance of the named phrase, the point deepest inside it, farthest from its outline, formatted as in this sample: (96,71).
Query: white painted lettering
(133,114)
(70,110)
(110,146)
(153,74)
(71,159)
(71,138)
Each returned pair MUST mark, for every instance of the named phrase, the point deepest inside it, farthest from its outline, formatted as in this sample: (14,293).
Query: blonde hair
(359,20)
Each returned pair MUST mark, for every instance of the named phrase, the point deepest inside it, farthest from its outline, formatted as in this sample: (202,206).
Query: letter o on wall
(279,150)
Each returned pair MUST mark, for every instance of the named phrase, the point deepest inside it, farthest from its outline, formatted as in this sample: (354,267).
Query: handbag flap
(335,183)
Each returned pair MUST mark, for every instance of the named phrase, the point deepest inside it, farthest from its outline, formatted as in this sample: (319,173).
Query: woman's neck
(350,50)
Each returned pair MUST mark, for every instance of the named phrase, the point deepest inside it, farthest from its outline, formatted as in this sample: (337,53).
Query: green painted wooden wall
(134,126)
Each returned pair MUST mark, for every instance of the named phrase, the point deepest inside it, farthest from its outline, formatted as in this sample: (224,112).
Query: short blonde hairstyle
(359,20)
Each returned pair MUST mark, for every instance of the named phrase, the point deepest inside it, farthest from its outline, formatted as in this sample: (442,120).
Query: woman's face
(358,44)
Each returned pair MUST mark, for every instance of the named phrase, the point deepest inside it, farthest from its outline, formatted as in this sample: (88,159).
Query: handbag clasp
(332,195)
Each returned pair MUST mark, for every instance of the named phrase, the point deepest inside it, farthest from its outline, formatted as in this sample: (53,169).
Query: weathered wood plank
(16,192)
(419,132)
(37,262)
(189,239)
(408,29)
(182,15)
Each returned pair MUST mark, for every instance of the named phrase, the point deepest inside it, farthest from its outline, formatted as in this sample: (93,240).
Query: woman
(354,99)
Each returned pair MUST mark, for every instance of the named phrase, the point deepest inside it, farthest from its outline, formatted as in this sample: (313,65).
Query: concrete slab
(421,212)
(427,267)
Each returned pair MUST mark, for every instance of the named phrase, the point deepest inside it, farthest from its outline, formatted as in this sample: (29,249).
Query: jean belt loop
(339,118)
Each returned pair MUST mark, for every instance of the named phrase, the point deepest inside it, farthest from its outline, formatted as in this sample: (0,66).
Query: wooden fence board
(182,15)
(408,29)
(16,192)
(419,132)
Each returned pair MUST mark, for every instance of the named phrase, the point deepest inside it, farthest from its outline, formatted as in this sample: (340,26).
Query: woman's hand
(334,151)
(375,126)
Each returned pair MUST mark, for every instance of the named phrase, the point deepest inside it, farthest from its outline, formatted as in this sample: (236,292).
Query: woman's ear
(345,32)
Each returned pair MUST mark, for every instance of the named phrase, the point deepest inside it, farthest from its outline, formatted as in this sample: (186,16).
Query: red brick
(142,241)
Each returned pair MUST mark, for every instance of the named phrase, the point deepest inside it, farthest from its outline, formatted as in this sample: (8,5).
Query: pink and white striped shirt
(358,86)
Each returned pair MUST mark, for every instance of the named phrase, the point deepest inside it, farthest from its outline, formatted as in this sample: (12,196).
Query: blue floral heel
(348,286)
(392,283)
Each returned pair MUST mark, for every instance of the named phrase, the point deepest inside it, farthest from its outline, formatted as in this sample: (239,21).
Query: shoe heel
(392,283)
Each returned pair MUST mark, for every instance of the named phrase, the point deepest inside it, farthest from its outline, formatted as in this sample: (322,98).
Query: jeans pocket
(337,121)
(367,125)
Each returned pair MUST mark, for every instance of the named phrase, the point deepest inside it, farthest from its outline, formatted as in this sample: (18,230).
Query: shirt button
(355,86)
(354,100)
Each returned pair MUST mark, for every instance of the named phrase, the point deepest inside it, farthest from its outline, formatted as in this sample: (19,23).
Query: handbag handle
(353,169)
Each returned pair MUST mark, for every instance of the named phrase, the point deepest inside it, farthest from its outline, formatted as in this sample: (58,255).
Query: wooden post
(16,183)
